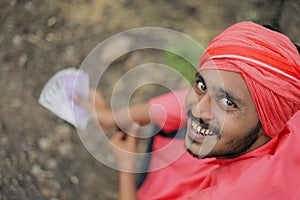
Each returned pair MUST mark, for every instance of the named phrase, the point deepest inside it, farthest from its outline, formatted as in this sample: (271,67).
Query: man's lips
(200,130)
(196,130)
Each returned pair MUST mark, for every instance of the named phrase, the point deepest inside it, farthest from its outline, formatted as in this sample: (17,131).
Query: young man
(242,129)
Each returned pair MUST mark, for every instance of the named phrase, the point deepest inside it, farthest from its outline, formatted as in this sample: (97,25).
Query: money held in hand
(56,96)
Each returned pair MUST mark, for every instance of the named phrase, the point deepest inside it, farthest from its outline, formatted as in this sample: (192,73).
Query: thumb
(133,133)
(82,102)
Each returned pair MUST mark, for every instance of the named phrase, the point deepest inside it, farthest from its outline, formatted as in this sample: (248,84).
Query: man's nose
(203,108)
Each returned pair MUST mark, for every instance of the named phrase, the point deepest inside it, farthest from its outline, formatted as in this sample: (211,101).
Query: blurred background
(41,156)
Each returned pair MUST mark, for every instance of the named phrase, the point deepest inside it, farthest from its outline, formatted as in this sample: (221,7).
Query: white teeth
(194,125)
(200,130)
(206,132)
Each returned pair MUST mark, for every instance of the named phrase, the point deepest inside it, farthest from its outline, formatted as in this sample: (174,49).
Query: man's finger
(133,133)
(79,100)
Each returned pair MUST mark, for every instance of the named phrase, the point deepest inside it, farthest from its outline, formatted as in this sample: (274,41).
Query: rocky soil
(42,157)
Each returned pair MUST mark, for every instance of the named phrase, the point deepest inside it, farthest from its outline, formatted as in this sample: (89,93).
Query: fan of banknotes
(57,94)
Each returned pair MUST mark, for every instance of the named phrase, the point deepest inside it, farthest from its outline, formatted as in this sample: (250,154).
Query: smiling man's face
(222,118)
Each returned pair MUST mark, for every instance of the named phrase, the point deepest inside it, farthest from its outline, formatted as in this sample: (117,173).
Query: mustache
(203,123)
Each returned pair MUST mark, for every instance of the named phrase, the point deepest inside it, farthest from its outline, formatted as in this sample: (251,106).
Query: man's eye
(227,103)
(201,86)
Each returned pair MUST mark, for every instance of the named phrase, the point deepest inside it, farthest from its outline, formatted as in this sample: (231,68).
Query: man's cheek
(191,98)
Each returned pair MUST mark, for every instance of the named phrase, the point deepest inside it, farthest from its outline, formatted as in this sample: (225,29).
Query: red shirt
(269,172)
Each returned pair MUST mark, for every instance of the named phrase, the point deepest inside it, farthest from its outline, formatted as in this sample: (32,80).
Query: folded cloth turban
(270,65)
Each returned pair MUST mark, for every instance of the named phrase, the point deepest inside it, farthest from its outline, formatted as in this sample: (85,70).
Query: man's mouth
(201,136)
(198,128)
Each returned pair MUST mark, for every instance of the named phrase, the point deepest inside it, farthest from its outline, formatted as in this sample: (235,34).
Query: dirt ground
(42,156)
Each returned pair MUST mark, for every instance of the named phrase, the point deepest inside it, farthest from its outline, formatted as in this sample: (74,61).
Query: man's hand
(97,108)
(122,118)
(124,148)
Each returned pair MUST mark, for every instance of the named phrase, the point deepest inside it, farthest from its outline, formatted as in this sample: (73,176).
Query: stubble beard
(236,147)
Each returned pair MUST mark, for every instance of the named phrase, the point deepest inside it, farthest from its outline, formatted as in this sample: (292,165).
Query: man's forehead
(221,77)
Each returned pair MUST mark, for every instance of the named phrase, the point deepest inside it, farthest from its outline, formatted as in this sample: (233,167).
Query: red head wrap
(269,63)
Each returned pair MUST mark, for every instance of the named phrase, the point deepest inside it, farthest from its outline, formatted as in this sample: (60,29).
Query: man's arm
(127,189)
(122,118)
(124,151)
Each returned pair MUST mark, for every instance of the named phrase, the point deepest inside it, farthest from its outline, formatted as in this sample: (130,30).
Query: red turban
(270,65)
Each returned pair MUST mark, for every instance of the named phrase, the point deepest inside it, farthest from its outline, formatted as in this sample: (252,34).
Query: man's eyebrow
(229,95)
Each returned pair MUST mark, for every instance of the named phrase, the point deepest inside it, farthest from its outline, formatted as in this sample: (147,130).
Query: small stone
(36,170)
(51,164)
(44,144)
(22,60)
(29,6)
(51,21)
(17,40)
(50,37)
(74,180)
(45,192)
(65,149)
(63,131)
(70,50)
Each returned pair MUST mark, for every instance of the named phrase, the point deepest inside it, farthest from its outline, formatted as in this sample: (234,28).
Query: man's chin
(198,149)
(193,148)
